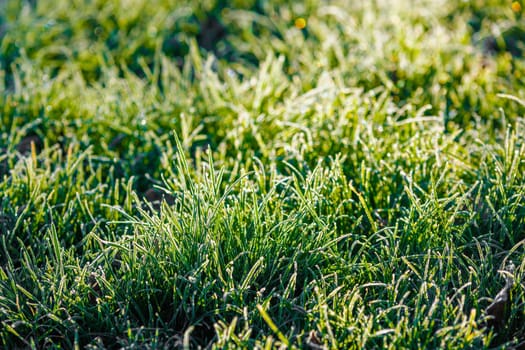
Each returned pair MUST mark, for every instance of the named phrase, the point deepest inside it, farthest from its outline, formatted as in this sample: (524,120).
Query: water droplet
(231,73)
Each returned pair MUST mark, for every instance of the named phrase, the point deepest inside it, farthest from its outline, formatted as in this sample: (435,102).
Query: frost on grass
(310,175)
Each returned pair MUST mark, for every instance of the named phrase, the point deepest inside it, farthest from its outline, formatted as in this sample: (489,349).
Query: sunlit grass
(288,174)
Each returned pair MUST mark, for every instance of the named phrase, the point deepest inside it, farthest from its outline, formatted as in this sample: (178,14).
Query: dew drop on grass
(49,24)
(231,73)
(142,119)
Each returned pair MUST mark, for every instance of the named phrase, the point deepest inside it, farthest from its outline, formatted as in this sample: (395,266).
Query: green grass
(183,175)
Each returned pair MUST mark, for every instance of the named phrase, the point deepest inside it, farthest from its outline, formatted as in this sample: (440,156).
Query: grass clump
(314,175)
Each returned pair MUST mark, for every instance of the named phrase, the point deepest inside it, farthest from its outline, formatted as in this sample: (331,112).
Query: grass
(254,174)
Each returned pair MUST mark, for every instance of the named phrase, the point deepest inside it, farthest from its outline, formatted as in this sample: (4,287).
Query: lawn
(262,174)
